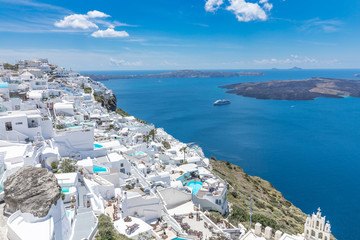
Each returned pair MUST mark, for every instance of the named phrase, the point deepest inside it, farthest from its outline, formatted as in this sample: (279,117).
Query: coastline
(269,203)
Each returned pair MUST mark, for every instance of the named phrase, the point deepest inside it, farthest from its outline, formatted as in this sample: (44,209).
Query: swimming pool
(98,146)
(137,153)
(97,168)
(195,185)
(64,190)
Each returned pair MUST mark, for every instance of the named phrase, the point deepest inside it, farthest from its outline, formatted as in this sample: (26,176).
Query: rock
(31,190)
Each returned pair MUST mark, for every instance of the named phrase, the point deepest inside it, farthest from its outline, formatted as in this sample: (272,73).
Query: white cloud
(81,21)
(246,11)
(122,62)
(78,21)
(243,10)
(109,33)
(327,26)
(213,5)
(293,59)
(97,14)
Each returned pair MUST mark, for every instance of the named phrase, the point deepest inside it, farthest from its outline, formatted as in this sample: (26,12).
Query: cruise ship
(221,102)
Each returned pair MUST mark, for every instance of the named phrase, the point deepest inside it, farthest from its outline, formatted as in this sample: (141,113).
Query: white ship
(222,102)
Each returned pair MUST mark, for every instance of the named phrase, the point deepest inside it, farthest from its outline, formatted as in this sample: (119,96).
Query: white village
(70,160)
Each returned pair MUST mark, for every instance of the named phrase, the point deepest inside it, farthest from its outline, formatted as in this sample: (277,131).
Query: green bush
(234,194)
(87,90)
(238,214)
(68,165)
(265,221)
(59,126)
(166,144)
(107,230)
(122,112)
(54,165)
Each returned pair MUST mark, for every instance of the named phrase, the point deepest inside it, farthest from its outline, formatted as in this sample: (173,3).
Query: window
(121,165)
(122,170)
(17,107)
(8,126)
(18,123)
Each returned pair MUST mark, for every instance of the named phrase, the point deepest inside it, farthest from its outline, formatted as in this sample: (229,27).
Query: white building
(316,227)
(144,206)
(20,126)
(25,226)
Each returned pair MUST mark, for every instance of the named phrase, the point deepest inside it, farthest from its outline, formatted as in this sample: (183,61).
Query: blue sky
(182,34)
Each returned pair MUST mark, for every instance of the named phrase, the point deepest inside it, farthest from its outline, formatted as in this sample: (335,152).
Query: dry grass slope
(267,201)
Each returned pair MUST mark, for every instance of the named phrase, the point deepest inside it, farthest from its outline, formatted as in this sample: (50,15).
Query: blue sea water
(309,150)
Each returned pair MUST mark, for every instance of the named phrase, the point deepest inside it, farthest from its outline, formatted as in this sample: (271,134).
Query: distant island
(293,68)
(307,89)
(177,74)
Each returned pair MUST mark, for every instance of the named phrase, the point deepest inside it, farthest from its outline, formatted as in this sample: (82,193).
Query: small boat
(221,102)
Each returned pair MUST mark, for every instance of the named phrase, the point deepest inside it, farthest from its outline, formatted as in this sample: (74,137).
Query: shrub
(54,165)
(238,215)
(128,187)
(234,194)
(213,158)
(59,126)
(68,165)
(265,221)
(107,230)
(259,204)
(228,164)
(122,112)
(166,144)
(87,90)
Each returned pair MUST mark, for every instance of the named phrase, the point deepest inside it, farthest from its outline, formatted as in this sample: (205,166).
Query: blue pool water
(137,153)
(99,169)
(195,185)
(64,190)
(307,149)
(98,146)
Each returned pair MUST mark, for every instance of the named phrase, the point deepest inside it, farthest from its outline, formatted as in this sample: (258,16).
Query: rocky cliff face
(31,190)
(109,104)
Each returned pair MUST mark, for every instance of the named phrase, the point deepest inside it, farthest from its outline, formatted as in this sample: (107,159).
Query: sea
(309,150)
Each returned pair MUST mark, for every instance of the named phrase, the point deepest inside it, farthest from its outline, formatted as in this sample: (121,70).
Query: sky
(182,34)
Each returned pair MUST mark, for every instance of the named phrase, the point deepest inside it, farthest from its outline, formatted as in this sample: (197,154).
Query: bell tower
(316,227)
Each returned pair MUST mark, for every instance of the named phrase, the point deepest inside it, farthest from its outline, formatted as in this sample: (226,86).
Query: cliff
(270,208)
(109,104)
(31,190)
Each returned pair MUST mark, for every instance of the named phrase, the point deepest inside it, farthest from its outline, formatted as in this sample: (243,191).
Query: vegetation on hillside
(87,90)
(68,165)
(122,112)
(270,208)
(8,66)
(107,230)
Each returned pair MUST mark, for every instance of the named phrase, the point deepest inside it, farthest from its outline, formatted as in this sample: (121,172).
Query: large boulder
(31,190)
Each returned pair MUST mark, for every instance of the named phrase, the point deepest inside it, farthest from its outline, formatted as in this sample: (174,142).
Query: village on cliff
(72,162)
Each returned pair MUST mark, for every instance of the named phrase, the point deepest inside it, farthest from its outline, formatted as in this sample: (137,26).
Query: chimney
(268,232)
(278,234)
(258,229)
